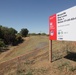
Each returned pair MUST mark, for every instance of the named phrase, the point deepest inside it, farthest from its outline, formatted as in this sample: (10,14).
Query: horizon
(31,14)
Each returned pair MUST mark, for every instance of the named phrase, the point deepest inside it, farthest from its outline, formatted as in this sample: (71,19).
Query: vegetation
(24,32)
(2,44)
(30,57)
(9,36)
(37,34)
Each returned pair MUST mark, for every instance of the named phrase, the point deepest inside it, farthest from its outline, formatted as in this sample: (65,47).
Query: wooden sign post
(50,51)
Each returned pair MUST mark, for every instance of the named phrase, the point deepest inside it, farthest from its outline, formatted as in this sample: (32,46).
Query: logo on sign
(52,33)
(51,24)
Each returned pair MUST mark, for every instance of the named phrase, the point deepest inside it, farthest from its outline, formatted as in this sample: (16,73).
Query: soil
(36,59)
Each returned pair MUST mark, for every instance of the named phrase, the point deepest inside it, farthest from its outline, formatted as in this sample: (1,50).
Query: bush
(24,32)
(2,44)
(19,38)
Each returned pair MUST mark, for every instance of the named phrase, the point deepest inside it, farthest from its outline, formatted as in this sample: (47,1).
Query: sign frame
(59,21)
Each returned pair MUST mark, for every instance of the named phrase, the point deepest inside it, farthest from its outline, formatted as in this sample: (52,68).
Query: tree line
(37,34)
(10,36)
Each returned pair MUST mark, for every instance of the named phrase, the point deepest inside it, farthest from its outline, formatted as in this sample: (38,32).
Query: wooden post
(50,51)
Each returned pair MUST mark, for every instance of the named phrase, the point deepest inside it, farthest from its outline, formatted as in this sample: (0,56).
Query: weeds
(29,73)
(72,69)
(67,66)
(60,67)
(29,62)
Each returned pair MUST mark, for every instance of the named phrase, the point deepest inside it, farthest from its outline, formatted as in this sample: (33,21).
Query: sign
(62,26)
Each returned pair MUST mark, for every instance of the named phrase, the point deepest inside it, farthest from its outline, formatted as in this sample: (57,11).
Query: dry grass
(34,59)
(29,45)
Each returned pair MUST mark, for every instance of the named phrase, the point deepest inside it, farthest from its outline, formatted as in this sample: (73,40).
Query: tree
(5,34)
(24,32)
(2,44)
(43,34)
(12,31)
(0,33)
(9,36)
(12,38)
(19,38)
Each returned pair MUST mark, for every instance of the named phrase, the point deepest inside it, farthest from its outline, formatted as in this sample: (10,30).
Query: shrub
(2,44)
(19,38)
(24,32)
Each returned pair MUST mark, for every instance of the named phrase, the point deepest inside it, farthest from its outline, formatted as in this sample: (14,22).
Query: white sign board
(65,28)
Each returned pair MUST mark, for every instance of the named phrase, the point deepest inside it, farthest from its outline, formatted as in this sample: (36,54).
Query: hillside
(29,44)
(32,58)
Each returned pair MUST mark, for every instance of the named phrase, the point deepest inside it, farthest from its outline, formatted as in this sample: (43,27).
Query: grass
(25,47)
(72,69)
(67,65)
(34,63)
(29,73)
(63,65)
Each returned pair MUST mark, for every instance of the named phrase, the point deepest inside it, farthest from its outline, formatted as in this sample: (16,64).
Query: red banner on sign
(52,27)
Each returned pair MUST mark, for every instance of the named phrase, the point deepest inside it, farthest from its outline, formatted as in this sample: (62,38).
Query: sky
(31,14)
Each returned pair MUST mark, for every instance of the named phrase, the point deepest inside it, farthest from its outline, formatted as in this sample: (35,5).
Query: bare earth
(32,58)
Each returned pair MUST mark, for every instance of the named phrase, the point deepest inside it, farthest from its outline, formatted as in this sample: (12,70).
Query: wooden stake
(50,51)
